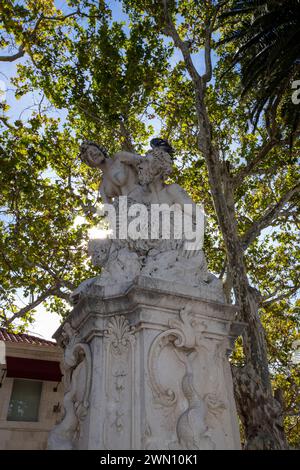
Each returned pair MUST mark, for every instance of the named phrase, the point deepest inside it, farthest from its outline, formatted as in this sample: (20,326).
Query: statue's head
(99,249)
(92,154)
(163,145)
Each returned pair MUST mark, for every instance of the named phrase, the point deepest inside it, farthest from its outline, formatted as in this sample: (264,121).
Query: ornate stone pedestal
(147,368)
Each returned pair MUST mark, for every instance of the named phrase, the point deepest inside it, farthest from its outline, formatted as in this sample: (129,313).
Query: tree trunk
(259,412)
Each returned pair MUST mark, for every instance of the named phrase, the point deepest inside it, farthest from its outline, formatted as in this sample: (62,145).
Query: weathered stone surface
(157,357)
(173,251)
(146,346)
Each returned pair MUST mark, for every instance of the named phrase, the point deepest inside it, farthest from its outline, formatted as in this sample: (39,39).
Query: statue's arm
(105,199)
(181,197)
(128,157)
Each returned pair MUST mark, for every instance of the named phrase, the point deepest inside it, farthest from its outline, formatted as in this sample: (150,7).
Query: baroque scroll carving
(77,367)
(190,345)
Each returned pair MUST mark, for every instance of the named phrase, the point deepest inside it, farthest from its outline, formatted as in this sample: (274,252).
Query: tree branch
(12,58)
(247,169)
(4,119)
(206,77)
(32,305)
(61,18)
(55,290)
(207,46)
(265,220)
(271,299)
(261,154)
(204,133)
(21,50)
(127,144)
(170,30)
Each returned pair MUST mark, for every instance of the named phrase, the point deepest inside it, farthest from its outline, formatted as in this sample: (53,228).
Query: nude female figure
(119,174)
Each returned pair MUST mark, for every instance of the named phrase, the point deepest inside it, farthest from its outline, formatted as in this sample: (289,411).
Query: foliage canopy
(119,78)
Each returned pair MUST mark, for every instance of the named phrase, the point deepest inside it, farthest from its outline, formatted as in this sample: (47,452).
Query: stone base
(147,368)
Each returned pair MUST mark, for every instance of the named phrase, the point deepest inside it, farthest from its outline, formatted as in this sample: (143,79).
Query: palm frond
(267,38)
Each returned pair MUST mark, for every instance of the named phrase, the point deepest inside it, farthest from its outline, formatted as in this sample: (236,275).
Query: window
(25,400)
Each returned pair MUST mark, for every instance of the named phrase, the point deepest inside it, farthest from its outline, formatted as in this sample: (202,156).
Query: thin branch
(265,220)
(170,30)
(247,169)
(4,119)
(38,264)
(61,18)
(260,156)
(26,109)
(270,300)
(12,58)
(21,51)
(56,277)
(207,47)
(32,305)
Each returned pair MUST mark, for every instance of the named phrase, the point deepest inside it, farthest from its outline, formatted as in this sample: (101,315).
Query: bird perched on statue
(162,145)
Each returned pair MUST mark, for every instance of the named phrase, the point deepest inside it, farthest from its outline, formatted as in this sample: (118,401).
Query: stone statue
(152,171)
(142,179)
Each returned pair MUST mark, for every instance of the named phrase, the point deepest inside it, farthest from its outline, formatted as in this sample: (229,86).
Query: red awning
(21,368)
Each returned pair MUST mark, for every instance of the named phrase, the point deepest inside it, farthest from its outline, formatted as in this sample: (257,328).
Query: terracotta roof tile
(24,338)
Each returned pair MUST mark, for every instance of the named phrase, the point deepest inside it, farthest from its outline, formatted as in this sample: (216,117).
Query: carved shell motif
(120,334)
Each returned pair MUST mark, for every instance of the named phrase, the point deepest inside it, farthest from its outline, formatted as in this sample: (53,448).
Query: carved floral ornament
(119,381)
(120,334)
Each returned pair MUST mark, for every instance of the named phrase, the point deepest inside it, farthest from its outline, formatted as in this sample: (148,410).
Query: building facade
(31,390)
